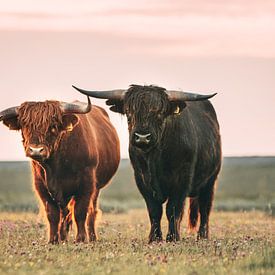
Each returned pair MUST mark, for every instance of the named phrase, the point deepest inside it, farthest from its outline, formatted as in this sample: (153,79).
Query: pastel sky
(201,46)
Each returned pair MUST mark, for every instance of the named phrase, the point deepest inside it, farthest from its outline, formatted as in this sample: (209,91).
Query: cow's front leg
(155,213)
(154,208)
(51,209)
(174,213)
(53,215)
(80,214)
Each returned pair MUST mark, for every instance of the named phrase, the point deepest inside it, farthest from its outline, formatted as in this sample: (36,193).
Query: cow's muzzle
(37,152)
(142,141)
(145,139)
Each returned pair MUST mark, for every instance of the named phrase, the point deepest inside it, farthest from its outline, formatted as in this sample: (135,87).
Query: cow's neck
(149,171)
(52,168)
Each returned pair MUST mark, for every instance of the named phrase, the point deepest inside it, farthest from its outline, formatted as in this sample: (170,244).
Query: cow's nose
(142,138)
(36,151)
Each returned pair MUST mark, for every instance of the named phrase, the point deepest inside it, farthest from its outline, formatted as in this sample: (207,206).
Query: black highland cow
(175,150)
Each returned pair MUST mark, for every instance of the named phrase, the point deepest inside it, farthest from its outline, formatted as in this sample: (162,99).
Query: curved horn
(9,113)
(112,94)
(177,96)
(76,108)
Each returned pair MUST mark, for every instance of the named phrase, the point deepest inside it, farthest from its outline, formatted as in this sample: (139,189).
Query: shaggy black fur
(182,160)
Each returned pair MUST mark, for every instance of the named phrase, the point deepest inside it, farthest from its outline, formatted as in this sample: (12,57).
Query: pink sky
(222,46)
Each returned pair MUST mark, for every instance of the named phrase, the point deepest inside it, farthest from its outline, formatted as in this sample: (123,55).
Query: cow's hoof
(155,240)
(63,236)
(92,238)
(172,238)
(80,239)
(202,236)
(155,237)
(53,241)
(202,233)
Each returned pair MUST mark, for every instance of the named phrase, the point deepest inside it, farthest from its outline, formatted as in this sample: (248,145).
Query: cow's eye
(129,119)
(53,130)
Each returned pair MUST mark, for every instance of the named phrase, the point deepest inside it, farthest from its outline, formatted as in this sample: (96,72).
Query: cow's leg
(51,208)
(92,213)
(154,208)
(53,215)
(174,213)
(155,213)
(82,203)
(205,204)
(66,223)
(80,214)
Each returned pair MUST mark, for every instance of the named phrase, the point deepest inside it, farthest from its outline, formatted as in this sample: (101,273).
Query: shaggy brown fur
(79,156)
(37,117)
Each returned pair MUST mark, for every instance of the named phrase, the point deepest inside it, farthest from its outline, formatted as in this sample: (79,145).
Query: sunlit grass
(240,243)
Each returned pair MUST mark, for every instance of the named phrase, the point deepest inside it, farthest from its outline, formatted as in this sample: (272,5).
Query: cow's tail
(193,213)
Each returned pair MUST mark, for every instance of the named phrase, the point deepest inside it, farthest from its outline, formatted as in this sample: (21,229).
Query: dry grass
(241,243)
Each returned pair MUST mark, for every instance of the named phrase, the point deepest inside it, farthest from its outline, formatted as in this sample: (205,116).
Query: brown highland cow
(75,152)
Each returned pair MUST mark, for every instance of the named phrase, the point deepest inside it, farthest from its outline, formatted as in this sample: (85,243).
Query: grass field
(244,184)
(241,243)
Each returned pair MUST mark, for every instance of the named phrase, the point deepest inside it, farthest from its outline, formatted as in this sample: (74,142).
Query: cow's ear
(69,121)
(12,123)
(116,106)
(176,107)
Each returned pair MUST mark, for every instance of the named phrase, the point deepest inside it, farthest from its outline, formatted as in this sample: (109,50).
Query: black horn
(112,94)
(9,113)
(76,108)
(178,96)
